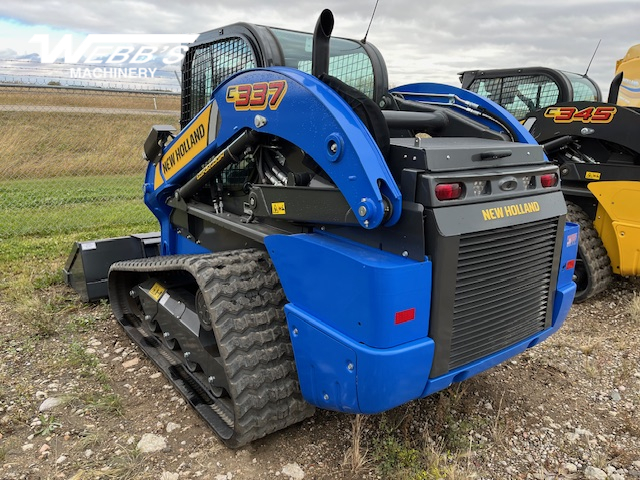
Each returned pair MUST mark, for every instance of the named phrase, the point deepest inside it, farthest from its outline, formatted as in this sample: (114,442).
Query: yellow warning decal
(191,141)
(592,175)
(510,210)
(278,208)
(157,291)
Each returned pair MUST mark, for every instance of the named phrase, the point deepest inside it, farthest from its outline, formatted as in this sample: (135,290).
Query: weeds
(86,322)
(126,464)
(633,309)
(78,358)
(395,457)
(48,424)
(355,458)
(591,369)
(409,447)
(48,279)
(590,348)
(109,403)
(624,373)
(498,426)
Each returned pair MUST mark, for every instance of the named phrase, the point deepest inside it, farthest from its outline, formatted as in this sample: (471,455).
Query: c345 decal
(601,114)
(257,96)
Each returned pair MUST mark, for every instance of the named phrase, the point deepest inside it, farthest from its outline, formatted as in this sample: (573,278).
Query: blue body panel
(356,290)
(344,367)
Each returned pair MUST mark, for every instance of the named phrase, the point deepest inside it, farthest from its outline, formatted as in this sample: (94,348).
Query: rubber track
(593,254)
(245,300)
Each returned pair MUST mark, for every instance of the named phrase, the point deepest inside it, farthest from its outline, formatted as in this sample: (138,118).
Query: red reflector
(448,191)
(549,180)
(405,316)
(571,264)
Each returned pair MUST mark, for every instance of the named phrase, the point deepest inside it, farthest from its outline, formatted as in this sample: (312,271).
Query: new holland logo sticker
(510,210)
(184,148)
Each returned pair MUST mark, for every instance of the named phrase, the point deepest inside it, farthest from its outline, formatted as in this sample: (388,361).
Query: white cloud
(421,41)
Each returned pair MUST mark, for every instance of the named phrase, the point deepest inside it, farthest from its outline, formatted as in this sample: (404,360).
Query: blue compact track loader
(328,242)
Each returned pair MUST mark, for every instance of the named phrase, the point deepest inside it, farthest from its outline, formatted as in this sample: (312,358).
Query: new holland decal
(601,114)
(510,210)
(257,96)
(191,141)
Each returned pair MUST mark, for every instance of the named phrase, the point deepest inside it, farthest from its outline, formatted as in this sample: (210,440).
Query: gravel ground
(77,401)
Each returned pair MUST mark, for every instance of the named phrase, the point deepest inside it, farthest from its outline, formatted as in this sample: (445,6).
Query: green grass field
(68,176)
(74,173)
(44,217)
(72,204)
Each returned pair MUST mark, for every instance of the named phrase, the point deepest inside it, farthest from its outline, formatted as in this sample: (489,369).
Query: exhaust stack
(321,37)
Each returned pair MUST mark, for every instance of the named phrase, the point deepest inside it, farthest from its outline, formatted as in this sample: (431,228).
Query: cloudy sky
(428,40)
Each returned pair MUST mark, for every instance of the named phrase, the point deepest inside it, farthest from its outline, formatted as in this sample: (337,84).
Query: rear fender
(618,223)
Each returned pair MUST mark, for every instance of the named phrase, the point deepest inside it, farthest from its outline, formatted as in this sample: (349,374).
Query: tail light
(449,191)
(549,180)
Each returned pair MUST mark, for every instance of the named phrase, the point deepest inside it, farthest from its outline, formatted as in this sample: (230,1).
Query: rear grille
(502,292)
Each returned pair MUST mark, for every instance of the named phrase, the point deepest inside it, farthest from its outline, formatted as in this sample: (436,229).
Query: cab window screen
(348,61)
(583,89)
(518,94)
(211,64)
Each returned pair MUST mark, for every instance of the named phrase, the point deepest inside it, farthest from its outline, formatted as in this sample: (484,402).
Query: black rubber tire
(593,266)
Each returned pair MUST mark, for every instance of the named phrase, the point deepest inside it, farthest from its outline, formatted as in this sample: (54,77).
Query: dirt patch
(568,408)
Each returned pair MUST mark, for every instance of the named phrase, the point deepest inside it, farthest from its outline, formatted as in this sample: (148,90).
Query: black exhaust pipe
(321,37)
(614,89)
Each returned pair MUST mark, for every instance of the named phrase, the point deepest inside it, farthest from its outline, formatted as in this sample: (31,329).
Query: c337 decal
(510,210)
(257,96)
(601,114)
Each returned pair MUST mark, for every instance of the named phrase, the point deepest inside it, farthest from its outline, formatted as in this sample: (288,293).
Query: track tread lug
(593,254)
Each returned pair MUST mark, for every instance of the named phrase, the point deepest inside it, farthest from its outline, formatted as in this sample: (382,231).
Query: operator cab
(524,90)
(218,54)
